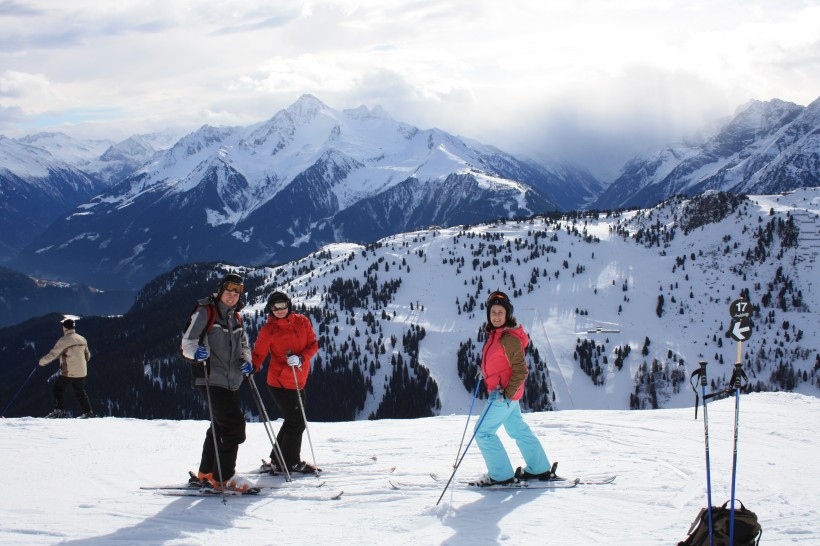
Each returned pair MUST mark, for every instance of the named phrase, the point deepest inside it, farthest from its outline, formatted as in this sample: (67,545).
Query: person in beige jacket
(72,350)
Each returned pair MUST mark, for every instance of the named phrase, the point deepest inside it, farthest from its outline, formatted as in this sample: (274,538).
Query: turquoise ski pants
(508,413)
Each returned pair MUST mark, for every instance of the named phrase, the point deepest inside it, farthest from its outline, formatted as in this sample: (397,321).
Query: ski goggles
(279,306)
(235,287)
(497,298)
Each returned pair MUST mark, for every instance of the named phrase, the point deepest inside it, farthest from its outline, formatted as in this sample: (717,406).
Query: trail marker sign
(740,309)
(741,329)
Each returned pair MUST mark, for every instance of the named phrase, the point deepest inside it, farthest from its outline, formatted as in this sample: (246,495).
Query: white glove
(294,361)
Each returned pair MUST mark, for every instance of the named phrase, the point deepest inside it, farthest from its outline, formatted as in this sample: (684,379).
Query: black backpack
(747,529)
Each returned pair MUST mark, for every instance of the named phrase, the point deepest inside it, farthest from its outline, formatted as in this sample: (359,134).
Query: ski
(265,467)
(268,493)
(557,482)
(597,481)
(580,481)
(260,487)
(196,486)
(549,484)
(529,484)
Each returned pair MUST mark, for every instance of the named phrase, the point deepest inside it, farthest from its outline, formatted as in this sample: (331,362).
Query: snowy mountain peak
(75,152)
(306,108)
(764,118)
(363,112)
(132,147)
(768,147)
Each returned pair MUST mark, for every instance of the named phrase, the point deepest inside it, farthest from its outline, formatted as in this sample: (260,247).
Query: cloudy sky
(593,81)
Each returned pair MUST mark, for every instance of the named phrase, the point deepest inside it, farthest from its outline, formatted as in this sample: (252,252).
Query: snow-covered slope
(80,480)
(658,281)
(620,309)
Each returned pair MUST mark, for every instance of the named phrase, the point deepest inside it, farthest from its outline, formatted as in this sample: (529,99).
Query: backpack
(747,529)
(197,371)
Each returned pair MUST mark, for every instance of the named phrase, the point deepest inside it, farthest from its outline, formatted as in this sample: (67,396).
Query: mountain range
(768,147)
(620,308)
(276,190)
(311,175)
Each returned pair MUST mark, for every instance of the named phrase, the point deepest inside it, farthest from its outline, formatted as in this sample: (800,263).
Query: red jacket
(280,337)
(503,363)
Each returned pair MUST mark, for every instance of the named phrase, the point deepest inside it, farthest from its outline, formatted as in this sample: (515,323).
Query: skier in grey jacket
(216,340)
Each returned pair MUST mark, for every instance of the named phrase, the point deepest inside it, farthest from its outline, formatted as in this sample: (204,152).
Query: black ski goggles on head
(279,305)
(235,287)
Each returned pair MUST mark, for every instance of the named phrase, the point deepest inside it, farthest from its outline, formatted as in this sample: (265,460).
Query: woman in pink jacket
(288,338)
(505,371)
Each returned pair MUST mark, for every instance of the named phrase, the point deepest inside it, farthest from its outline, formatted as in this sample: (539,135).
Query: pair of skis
(289,490)
(556,482)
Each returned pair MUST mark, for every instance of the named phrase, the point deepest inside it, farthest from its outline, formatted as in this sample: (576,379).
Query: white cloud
(15,84)
(548,77)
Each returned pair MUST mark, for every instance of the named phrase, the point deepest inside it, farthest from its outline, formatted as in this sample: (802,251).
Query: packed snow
(78,481)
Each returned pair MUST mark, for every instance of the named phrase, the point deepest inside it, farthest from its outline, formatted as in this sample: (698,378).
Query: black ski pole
(13,398)
(213,432)
(738,380)
(453,475)
(706,437)
(701,373)
(304,418)
(277,451)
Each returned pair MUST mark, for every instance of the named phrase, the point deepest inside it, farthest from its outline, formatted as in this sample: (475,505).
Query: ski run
(78,482)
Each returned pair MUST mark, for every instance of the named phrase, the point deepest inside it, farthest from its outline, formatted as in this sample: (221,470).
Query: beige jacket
(72,350)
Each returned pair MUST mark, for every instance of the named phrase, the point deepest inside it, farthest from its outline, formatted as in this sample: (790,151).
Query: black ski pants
(290,434)
(76,383)
(229,423)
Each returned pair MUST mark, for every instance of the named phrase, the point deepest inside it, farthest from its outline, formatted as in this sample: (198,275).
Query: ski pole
(13,398)
(213,432)
(277,451)
(737,378)
(706,436)
(470,414)
(453,475)
(304,418)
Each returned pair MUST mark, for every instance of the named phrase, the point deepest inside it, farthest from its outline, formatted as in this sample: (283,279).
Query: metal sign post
(740,330)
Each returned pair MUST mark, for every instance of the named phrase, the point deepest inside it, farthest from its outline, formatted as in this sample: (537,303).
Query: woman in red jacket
(505,371)
(288,338)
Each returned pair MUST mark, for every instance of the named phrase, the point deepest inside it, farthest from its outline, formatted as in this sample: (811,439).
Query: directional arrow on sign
(740,330)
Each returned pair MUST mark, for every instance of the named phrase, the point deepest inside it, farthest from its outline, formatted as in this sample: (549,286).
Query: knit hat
(68,324)
(499,298)
(279,297)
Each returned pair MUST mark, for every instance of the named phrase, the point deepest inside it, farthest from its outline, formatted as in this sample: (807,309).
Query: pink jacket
(503,363)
